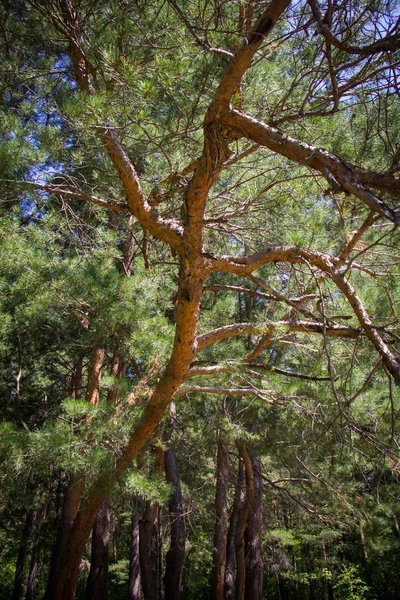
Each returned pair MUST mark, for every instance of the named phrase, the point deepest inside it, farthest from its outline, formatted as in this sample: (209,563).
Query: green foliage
(152,489)
(349,585)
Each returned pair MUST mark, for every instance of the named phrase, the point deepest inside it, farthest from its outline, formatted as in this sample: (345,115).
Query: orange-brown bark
(94,375)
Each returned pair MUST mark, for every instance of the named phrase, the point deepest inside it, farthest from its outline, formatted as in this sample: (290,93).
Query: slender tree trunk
(148,542)
(283,592)
(176,552)
(128,248)
(148,552)
(74,385)
(221,523)
(328,582)
(230,568)
(134,563)
(254,558)
(22,552)
(40,517)
(116,371)
(96,587)
(242,522)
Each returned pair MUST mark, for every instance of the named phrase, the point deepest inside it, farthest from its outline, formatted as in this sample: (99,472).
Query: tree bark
(31,586)
(22,552)
(74,383)
(96,587)
(116,371)
(148,552)
(230,590)
(134,563)
(176,552)
(72,502)
(221,523)
(253,544)
(94,375)
(148,542)
(248,495)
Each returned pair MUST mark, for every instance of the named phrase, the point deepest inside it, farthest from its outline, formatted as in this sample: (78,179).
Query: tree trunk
(134,563)
(283,593)
(128,248)
(39,519)
(176,552)
(230,590)
(242,522)
(94,375)
(221,523)
(148,552)
(116,371)
(96,587)
(22,552)
(72,502)
(148,542)
(191,279)
(254,557)
(74,383)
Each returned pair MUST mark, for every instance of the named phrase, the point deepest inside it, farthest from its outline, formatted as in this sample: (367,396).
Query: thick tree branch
(270,329)
(246,265)
(238,66)
(351,178)
(166,230)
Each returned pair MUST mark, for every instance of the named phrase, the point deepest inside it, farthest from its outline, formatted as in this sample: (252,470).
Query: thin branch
(198,389)
(71,194)
(388,43)
(298,375)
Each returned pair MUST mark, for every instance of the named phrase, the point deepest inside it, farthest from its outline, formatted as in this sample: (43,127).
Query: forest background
(199,299)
